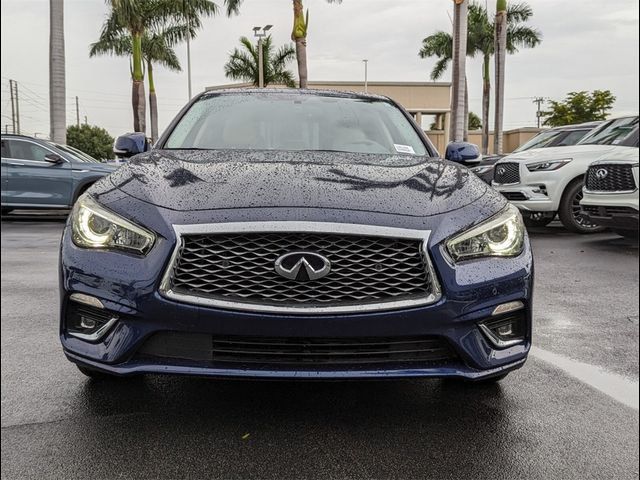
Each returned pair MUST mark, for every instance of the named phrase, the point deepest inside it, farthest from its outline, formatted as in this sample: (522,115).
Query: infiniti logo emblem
(502,171)
(602,173)
(302,266)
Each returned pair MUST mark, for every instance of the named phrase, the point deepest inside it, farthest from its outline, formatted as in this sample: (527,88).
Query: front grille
(507,173)
(240,267)
(249,351)
(514,196)
(610,178)
(597,211)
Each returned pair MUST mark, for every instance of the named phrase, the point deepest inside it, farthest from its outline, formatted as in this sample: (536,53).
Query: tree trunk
(465,136)
(299,36)
(139,106)
(301,57)
(57,87)
(459,70)
(500,56)
(137,86)
(486,99)
(153,103)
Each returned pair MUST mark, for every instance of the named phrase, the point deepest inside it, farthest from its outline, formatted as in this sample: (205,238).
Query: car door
(34,182)
(5,177)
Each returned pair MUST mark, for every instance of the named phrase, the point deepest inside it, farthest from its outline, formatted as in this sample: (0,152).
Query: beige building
(428,102)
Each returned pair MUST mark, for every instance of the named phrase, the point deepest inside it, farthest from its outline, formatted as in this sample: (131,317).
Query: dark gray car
(39,174)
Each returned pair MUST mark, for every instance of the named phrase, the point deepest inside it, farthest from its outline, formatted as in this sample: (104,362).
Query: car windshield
(299,122)
(611,133)
(539,141)
(75,153)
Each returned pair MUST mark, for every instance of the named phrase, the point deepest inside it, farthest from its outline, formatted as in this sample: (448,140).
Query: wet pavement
(570,412)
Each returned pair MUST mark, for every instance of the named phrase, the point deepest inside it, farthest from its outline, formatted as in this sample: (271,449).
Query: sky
(586,46)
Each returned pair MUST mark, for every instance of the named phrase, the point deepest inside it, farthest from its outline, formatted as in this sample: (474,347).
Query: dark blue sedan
(294,234)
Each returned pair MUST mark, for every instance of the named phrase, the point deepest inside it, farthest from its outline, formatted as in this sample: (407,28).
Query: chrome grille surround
(311,231)
(619,178)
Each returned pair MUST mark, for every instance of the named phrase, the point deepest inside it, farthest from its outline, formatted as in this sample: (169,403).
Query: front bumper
(613,210)
(536,191)
(128,288)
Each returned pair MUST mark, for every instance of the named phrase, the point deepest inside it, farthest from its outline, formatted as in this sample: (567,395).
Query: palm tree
(500,56)
(243,63)
(298,34)
(480,41)
(157,49)
(135,18)
(57,90)
(458,76)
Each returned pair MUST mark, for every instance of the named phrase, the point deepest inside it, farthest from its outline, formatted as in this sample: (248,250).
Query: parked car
(611,192)
(295,234)
(39,174)
(545,181)
(554,137)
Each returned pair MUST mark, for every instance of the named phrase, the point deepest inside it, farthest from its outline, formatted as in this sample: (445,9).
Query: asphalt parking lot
(571,412)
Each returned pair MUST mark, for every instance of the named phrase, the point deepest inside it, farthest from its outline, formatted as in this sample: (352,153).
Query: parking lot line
(616,386)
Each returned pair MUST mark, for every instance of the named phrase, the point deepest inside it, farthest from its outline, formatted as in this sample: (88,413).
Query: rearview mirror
(53,158)
(130,144)
(464,153)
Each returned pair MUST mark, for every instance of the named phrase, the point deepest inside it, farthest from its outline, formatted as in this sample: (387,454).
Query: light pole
(260,33)
(366,73)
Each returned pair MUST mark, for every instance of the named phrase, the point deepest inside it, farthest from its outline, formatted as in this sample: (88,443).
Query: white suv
(611,192)
(545,181)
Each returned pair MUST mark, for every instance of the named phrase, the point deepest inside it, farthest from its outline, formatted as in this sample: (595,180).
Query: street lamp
(366,80)
(260,33)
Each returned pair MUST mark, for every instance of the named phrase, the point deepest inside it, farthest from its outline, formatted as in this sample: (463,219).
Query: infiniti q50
(294,234)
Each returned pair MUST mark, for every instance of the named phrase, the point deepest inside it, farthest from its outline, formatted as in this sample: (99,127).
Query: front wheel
(538,219)
(570,211)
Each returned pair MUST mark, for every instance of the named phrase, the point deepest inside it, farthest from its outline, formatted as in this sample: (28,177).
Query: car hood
(227,179)
(96,167)
(554,153)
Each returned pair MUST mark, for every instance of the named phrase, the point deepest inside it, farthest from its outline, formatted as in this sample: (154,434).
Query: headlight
(482,170)
(500,236)
(548,165)
(94,226)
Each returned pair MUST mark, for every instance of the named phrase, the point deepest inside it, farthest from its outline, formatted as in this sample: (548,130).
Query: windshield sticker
(404,149)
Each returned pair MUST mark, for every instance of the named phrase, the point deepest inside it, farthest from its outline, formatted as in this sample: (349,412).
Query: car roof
(294,91)
(16,135)
(580,126)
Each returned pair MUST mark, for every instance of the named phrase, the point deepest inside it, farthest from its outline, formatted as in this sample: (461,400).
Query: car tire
(570,209)
(630,234)
(94,374)
(538,219)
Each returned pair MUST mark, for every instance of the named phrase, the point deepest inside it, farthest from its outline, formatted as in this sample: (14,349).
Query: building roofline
(335,83)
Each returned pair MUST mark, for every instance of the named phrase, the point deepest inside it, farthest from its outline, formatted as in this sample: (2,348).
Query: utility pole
(13,108)
(85,120)
(539,101)
(77,112)
(15,86)
(260,33)
(366,75)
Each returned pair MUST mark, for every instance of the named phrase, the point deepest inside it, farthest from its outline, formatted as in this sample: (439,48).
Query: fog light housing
(504,332)
(88,322)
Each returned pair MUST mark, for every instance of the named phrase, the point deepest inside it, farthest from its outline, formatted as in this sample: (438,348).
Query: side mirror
(464,153)
(130,144)
(53,158)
